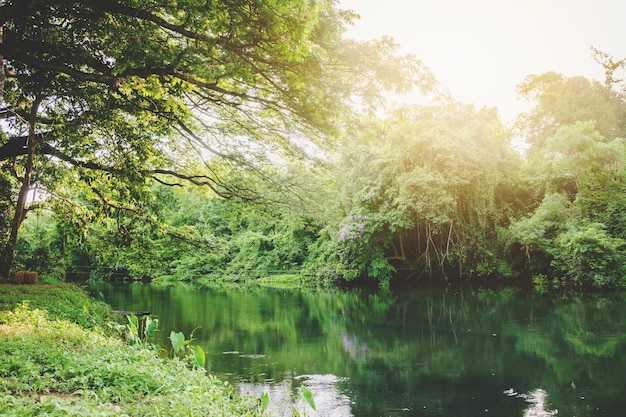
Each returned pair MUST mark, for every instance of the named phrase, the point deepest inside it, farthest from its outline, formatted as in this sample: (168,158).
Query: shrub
(588,255)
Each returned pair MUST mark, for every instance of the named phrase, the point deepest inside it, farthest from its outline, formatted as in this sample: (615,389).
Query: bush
(588,255)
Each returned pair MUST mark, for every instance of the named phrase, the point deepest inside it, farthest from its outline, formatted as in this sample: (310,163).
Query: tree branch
(17,147)
(119,8)
(113,205)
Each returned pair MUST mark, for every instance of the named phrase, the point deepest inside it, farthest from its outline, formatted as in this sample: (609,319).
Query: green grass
(61,301)
(58,359)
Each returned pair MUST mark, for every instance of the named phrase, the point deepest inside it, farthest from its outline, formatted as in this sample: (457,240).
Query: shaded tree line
(434,191)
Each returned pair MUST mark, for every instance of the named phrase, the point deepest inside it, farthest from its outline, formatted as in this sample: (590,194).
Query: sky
(481,49)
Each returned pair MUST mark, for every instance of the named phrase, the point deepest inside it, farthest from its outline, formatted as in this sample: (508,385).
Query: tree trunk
(20,208)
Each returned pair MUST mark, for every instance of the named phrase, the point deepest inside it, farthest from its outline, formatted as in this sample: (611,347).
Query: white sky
(480,50)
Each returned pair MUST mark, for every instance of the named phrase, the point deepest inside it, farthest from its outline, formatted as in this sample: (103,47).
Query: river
(423,352)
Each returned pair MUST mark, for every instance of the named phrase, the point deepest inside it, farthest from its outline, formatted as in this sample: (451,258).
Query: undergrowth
(52,364)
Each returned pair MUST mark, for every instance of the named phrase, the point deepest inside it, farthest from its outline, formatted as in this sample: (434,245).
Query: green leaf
(200,357)
(265,401)
(132,325)
(178,340)
(152,326)
(132,320)
(308,397)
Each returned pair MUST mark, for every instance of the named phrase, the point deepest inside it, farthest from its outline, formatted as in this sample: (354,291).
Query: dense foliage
(431,190)
(111,95)
(429,194)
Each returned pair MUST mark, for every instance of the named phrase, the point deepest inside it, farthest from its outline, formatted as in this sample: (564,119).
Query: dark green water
(416,353)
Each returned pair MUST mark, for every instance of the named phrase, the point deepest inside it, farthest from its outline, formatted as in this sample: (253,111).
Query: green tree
(534,236)
(122,91)
(429,194)
(560,101)
(577,161)
(185,235)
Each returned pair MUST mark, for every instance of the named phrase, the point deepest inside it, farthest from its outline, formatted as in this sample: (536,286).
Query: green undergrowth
(61,301)
(54,361)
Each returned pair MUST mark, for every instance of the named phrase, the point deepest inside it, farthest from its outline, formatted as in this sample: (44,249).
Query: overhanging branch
(17,146)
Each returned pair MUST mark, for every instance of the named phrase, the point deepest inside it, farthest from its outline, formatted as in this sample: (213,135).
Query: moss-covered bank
(60,356)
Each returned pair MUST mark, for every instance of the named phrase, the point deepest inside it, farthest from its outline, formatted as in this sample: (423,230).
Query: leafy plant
(588,255)
(308,397)
(181,345)
(139,329)
(265,401)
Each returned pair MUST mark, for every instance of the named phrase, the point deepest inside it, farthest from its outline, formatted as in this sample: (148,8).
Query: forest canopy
(203,142)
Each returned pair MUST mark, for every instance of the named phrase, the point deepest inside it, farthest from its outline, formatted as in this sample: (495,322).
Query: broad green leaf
(265,401)
(152,325)
(132,324)
(200,357)
(178,340)
(308,397)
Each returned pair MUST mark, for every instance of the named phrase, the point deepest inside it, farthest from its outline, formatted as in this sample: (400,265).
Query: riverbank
(61,355)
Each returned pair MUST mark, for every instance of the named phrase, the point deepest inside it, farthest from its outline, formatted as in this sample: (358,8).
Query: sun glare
(481,50)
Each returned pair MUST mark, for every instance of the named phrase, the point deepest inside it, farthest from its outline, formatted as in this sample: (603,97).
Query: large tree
(576,231)
(120,91)
(560,101)
(429,195)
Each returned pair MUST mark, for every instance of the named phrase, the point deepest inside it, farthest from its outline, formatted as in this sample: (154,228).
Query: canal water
(424,352)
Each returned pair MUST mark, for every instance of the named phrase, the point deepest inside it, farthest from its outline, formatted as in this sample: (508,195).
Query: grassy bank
(60,356)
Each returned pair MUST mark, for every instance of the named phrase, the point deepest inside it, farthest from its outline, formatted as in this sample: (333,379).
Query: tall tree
(614,71)
(124,90)
(430,194)
(559,101)
(576,129)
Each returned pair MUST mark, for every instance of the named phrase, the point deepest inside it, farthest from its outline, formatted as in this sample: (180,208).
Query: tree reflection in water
(431,352)
(285,402)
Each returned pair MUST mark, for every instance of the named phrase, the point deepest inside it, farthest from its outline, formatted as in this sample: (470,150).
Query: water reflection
(538,402)
(427,352)
(285,398)
(537,399)
(356,348)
